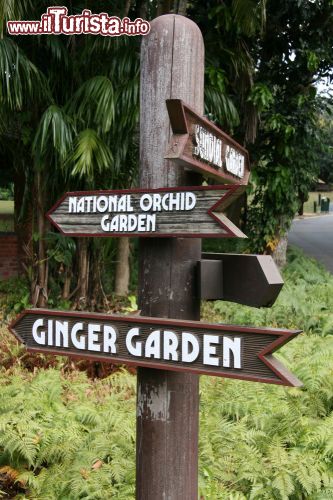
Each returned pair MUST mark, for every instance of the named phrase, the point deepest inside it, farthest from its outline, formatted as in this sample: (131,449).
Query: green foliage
(54,135)
(7,194)
(94,103)
(65,436)
(261,441)
(217,103)
(229,29)
(90,154)
(291,56)
(271,442)
(261,96)
(263,60)
(68,121)
(20,78)
(14,295)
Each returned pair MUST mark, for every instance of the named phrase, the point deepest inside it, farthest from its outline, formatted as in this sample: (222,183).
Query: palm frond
(90,155)
(94,103)
(54,134)
(221,107)
(20,79)
(250,15)
(57,49)
(11,10)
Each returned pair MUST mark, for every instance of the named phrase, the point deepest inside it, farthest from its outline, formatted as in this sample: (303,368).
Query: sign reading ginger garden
(198,144)
(224,350)
(170,212)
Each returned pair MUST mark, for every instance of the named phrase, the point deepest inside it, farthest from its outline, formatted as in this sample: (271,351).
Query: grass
(6,207)
(313,196)
(6,216)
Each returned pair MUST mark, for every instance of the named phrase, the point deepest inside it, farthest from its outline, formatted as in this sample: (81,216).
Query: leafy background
(66,435)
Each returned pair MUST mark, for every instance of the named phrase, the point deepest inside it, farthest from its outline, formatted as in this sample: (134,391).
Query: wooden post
(172,66)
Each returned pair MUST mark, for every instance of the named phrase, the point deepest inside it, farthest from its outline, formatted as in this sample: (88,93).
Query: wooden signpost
(169,217)
(186,346)
(252,280)
(165,212)
(172,66)
(198,144)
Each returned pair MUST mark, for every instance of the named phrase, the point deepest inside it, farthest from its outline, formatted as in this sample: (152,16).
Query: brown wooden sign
(167,212)
(200,145)
(213,349)
(252,280)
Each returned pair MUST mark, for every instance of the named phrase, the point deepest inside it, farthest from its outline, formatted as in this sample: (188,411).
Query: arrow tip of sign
(232,230)
(284,374)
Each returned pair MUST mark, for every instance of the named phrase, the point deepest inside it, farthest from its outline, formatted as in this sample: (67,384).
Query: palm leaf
(12,10)
(94,103)
(20,78)
(90,154)
(220,106)
(250,15)
(54,134)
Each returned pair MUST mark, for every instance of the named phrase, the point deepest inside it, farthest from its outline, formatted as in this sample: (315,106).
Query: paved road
(315,237)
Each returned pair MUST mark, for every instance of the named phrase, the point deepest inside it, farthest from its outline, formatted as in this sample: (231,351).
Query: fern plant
(64,436)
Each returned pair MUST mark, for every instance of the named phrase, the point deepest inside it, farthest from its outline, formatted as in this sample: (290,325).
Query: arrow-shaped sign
(167,212)
(252,280)
(213,349)
(200,145)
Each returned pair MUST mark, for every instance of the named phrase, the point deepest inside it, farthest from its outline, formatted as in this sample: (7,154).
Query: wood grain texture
(252,280)
(172,66)
(201,220)
(255,365)
(181,147)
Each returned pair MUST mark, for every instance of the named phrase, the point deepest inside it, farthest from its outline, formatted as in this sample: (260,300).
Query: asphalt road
(314,235)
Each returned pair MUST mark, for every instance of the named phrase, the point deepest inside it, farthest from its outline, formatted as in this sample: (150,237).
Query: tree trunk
(122,267)
(95,284)
(142,9)
(163,7)
(180,7)
(83,274)
(67,284)
(22,221)
(127,8)
(302,199)
(280,253)
(40,298)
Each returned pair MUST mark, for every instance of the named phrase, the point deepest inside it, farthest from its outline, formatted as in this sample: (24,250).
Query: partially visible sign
(198,144)
(252,280)
(223,350)
(167,212)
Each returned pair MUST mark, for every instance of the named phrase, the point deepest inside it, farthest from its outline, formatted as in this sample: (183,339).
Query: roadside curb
(313,216)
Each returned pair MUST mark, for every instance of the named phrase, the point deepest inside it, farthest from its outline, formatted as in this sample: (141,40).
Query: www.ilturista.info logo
(56,21)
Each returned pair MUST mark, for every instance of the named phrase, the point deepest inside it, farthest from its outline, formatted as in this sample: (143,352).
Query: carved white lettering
(38,335)
(153,345)
(93,330)
(209,350)
(190,347)
(81,342)
(235,162)
(234,346)
(134,349)
(208,146)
